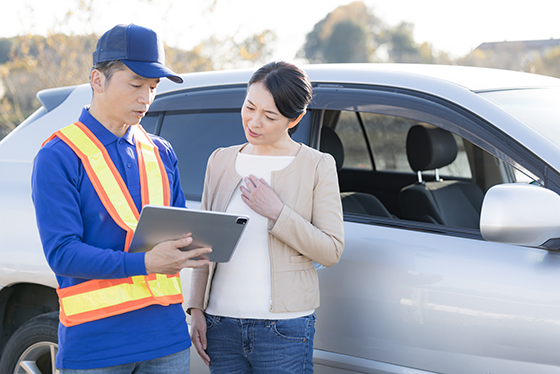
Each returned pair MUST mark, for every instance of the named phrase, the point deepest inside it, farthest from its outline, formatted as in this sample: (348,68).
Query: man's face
(127,97)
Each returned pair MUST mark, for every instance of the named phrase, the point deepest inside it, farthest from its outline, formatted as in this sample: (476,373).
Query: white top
(241,288)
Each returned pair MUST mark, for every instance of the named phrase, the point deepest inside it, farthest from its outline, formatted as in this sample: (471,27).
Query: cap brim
(152,70)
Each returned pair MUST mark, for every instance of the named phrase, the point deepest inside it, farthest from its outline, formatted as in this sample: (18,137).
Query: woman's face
(262,122)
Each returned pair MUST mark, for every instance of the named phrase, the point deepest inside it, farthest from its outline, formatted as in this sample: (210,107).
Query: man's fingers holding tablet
(165,258)
(196,257)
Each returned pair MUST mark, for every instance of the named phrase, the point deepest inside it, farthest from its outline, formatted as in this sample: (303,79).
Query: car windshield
(538,108)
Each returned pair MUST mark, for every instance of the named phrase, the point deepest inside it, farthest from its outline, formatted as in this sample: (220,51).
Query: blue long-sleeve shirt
(82,242)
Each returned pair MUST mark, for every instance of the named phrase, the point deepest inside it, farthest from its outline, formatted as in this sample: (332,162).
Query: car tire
(33,347)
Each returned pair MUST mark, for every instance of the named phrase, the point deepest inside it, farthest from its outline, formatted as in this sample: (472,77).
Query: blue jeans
(177,363)
(260,346)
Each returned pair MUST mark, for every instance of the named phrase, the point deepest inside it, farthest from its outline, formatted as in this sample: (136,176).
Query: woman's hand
(198,334)
(260,197)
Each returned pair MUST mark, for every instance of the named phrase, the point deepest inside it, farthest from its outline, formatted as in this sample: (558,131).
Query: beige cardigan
(309,228)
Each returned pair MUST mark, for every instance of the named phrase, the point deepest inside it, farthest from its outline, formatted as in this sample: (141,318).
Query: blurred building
(529,47)
(521,55)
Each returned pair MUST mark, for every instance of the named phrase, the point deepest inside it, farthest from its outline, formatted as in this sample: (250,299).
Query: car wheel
(33,347)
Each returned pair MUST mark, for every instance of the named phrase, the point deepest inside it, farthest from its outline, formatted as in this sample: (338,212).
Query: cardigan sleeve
(322,238)
(199,276)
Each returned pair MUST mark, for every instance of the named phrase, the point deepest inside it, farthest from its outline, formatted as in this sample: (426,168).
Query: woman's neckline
(252,155)
(241,151)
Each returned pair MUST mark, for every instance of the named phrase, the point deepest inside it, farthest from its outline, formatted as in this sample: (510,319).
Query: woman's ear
(296,121)
(97,80)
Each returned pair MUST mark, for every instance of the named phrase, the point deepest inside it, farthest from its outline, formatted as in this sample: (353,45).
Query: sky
(455,27)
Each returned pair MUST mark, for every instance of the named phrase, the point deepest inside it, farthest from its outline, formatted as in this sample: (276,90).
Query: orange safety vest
(101,298)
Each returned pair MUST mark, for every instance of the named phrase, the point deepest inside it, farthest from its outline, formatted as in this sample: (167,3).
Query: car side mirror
(519,213)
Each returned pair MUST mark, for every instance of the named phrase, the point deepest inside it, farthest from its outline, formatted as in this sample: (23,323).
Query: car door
(417,297)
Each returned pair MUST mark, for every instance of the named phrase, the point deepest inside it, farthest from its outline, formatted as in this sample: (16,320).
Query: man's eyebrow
(140,78)
(268,111)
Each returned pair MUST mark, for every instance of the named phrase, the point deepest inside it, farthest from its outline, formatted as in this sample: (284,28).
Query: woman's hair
(289,86)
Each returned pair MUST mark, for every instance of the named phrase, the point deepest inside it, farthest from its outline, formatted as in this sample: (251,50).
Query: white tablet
(219,231)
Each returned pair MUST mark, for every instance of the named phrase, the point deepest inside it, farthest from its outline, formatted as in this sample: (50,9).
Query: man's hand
(198,334)
(166,258)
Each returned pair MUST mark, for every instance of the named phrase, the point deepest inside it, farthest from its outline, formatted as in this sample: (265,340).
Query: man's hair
(108,68)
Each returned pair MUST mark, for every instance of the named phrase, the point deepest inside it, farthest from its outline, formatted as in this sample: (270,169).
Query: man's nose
(146,96)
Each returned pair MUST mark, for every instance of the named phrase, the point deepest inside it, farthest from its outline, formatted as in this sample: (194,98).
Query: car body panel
(17,215)
(435,300)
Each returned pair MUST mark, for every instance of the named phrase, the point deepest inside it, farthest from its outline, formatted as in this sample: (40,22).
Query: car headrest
(429,147)
(330,143)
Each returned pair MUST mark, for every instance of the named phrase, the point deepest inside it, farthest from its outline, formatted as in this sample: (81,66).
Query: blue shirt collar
(105,136)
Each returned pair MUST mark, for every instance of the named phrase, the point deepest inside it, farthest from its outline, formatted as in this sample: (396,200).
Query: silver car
(449,179)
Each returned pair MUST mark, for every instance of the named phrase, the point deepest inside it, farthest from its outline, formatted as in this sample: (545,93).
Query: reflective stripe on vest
(101,298)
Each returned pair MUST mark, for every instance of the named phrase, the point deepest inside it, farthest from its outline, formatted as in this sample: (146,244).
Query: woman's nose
(256,120)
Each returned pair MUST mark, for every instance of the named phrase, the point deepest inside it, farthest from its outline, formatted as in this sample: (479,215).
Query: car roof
(472,78)
(426,78)
(439,80)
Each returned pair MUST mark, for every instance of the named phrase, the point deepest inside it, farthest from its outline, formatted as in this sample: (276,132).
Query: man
(120,312)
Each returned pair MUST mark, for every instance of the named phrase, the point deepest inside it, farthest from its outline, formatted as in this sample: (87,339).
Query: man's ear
(97,80)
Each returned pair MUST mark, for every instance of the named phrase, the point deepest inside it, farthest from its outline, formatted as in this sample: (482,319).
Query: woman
(260,305)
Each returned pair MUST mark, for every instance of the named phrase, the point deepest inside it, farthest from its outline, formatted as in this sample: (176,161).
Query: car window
(379,187)
(194,136)
(376,167)
(349,130)
(386,137)
(149,122)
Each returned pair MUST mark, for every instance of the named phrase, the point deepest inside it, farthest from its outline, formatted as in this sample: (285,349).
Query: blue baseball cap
(139,48)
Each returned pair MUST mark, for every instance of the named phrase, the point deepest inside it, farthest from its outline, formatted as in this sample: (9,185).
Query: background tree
(347,34)
(352,33)
(37,63)
(33,63)
(402,47)
(549,64)
(5,48)
(227,53)
(347,43)
(220,54)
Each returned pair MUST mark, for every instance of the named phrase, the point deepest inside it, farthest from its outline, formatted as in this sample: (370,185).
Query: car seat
(453,203)
(352,202)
